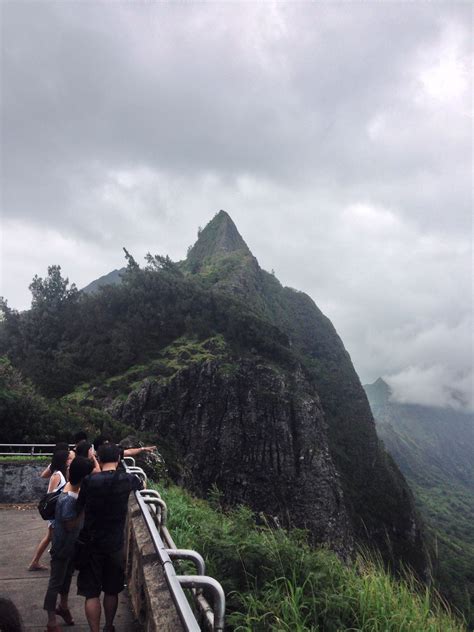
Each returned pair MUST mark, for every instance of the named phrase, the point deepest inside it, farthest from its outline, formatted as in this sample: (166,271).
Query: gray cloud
(337,136)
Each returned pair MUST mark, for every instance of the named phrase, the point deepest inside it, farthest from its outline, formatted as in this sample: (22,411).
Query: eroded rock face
(257,433)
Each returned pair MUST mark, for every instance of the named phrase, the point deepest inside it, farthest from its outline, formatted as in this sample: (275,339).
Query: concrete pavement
(21,529)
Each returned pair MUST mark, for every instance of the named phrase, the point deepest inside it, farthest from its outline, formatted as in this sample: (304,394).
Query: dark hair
(100,440)
(109,453)
(82,448)
(59,462)
(79,469)
(10,620)
(80,436)
(61,445)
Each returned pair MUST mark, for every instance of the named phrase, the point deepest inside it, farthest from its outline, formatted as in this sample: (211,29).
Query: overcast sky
(337,136)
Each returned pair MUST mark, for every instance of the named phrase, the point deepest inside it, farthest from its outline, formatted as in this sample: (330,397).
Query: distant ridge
(378,393)
(430,444)
(112,278)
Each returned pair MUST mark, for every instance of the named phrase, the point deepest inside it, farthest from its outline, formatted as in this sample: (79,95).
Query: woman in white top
(59,466)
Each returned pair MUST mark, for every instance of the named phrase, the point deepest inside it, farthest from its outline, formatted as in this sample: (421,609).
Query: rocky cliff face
(378,500)
(256,432)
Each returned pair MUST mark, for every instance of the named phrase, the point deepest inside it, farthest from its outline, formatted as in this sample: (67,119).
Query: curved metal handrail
(154,511)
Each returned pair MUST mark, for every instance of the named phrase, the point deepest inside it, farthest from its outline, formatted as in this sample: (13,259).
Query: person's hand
(149,448)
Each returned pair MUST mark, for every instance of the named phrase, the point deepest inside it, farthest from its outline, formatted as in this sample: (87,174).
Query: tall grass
(275,582)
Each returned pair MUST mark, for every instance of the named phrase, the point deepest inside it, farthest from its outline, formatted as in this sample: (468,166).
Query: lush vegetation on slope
(69,338)
(168,361)
(27,416)
(449,513)
(275,582)
(447,506)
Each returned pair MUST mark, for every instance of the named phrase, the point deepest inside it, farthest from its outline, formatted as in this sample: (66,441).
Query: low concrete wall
(21,483)
(149,595)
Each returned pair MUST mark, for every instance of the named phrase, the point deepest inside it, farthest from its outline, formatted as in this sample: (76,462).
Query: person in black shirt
(104,499)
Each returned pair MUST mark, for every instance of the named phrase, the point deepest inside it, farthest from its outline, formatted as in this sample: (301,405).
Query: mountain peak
(219,237)
(381,385)
(379,391)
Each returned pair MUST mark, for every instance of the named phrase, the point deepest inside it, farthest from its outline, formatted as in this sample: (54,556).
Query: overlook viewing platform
(157,597)
(20,531)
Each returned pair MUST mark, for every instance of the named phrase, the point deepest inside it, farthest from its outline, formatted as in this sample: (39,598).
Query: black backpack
(47,504)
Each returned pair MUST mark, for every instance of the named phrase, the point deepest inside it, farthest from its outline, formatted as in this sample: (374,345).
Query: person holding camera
(104,500)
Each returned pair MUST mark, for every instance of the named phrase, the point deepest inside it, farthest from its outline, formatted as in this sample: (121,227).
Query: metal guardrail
(155,513)
(34,449)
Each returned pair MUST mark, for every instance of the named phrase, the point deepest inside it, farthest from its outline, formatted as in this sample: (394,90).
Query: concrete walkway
(21,529)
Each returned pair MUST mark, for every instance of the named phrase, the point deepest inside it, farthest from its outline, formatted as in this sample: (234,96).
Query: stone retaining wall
(149,595)
(21,483)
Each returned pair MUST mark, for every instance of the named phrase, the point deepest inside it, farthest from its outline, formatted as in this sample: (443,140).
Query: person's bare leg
(92,610)
(35,562)
(110,608)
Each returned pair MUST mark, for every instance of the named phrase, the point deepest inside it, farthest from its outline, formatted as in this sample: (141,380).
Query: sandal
(38,567)
(65,613)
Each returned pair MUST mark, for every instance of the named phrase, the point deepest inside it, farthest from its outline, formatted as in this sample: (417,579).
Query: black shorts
(102,572)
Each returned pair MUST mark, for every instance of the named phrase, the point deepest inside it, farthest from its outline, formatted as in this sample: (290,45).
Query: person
(59,465)
(67,525)
(104,499)
(61,445)
(86,449)
(79,436)
(102,439)
(140,450)
(10,620)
